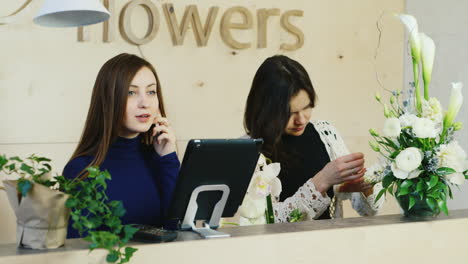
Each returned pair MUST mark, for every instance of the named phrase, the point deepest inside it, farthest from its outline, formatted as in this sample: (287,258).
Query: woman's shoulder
(76,165)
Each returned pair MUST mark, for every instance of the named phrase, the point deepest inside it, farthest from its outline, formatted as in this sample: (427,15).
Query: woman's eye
(153,92)
(131,93)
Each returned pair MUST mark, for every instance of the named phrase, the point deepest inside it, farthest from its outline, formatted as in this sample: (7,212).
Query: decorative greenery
(33,169)
(296,216)
(420,157)
(93,215)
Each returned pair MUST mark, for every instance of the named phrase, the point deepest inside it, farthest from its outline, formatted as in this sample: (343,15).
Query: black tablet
(211,162)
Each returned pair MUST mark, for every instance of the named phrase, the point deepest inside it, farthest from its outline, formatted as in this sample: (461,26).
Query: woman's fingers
(161,120)
(353,176)
(162,138)
(352,157)
(352,164)
(161,129)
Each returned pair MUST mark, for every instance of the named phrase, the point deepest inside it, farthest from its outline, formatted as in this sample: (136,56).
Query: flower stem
(416,85)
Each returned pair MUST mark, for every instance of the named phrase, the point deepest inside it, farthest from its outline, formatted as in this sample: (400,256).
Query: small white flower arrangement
(421,160)
(264,187)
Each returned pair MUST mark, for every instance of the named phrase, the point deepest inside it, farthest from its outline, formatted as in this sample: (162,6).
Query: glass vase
(419,210)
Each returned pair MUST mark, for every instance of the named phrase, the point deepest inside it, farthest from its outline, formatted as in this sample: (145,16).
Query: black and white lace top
(311,202)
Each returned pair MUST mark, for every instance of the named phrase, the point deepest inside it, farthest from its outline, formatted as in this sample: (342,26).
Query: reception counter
(379,239)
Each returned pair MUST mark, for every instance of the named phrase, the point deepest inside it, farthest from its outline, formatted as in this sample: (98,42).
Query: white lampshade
(71,13)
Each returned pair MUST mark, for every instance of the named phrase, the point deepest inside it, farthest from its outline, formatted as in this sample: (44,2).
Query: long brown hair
(267,110)
(108,103)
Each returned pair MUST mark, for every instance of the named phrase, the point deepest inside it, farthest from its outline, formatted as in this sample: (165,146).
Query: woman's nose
(143,101)
(300,119)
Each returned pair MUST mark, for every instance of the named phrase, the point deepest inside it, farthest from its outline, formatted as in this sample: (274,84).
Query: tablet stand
(207,231)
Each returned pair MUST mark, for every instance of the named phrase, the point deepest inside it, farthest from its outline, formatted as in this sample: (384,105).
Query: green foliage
(33,169)
(93,215)
(96,217)
(296,216)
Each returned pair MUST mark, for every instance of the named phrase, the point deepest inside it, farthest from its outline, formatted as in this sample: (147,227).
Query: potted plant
(420,158)
(43,206)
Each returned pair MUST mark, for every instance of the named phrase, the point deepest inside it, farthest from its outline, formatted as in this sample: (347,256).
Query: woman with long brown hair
(314,159)
(128,134)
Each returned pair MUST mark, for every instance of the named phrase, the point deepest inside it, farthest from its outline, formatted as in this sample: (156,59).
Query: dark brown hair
(108,103)
(267,110)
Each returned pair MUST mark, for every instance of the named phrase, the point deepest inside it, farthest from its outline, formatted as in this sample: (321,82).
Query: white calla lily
(415,42)
(411,25)
(456,101)
(427,58)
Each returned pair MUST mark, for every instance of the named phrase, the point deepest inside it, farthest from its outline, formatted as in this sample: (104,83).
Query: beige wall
(46,76)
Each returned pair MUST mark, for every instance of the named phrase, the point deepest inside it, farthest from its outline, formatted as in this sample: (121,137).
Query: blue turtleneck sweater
(141,179)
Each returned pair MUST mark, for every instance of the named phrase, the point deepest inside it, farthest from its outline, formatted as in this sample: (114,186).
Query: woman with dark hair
(314,159)
(127,133)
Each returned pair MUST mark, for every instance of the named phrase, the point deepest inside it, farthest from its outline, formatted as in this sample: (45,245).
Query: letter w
(191,16)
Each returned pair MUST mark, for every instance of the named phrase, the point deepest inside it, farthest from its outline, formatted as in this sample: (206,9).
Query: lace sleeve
(366,206)
(307,199)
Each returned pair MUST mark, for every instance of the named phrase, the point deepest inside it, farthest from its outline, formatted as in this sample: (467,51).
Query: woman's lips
(299,129)
(143,118)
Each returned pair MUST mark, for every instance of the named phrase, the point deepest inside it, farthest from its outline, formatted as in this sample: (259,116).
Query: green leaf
(26,168)
(49,168)
(406,184)
(379,195)
(95,221)
(93,171)
(24,186)
(129,251)
(113,256)
(42,159)
(404,187)
(445,171)
(432,203)
(129,231)
(420,186)
(412,202)
(387,180)
(433,182)
(71,203)
(16,159)
(3,161)
(113,222)
(119,210)
(390,143)
(443,206)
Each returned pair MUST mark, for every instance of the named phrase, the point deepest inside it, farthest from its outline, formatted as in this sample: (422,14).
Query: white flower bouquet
(265,186)
(420,159)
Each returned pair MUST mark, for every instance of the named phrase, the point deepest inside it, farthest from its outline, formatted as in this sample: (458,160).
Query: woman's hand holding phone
(164,140)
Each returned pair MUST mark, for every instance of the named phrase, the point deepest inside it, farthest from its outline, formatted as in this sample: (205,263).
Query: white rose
(407,120)
(424,128)
(409,159)
(398,173)
(392,127)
